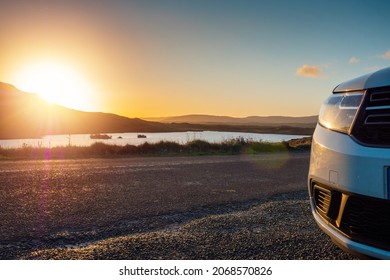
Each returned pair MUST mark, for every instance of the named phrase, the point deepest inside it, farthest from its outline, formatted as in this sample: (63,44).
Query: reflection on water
(133,139)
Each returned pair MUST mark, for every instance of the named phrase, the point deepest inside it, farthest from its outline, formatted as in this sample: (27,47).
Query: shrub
(195,147)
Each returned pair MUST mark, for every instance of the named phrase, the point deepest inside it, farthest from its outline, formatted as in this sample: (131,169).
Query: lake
(132,138)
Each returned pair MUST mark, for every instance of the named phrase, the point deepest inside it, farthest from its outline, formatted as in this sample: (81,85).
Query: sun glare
(57,83)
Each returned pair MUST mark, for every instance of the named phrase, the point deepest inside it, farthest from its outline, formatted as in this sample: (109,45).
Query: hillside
(252,120)
(24,115)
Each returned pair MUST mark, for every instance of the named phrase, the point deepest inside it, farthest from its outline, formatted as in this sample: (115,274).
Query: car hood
(376,79)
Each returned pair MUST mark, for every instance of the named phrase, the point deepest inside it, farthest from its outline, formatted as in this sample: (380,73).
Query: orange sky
(148,59)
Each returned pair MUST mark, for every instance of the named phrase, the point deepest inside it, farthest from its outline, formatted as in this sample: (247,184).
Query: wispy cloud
(354,60)
(386,55)
(311,71)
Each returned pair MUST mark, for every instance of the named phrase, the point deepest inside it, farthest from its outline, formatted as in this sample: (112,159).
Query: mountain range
(25,115)
(252,120)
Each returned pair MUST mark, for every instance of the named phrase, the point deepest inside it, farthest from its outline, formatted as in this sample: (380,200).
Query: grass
(163,148)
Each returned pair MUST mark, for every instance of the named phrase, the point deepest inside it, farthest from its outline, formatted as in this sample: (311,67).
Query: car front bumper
(353,181)
(360,249)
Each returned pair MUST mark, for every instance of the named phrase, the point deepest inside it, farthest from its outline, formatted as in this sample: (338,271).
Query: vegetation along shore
(163,148)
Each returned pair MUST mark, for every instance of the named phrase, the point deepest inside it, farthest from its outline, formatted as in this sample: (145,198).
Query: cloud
(309,71)
(386,55)
(354,60)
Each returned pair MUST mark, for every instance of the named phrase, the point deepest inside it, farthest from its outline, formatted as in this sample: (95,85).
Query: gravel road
(211,207)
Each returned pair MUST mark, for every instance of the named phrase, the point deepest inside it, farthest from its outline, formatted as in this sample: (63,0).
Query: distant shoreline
(292,129)
(296,129)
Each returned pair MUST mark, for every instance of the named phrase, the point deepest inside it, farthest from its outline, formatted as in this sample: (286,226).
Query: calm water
(131,138)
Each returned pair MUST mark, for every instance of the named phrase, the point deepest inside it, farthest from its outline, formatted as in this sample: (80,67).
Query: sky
(154,58)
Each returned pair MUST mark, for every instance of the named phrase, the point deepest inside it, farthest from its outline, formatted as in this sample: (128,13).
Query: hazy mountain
(252,120)
(24,115)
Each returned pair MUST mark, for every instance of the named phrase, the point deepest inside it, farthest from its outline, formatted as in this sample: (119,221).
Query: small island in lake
(100,136)
(141,136)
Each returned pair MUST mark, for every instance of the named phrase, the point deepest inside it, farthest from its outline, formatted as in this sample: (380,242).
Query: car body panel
(377,79)
(359,169)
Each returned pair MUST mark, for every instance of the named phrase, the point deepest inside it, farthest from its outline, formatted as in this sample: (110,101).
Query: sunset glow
(154,58)
(57,83)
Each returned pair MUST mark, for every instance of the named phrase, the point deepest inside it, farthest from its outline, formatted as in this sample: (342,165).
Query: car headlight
(339,110)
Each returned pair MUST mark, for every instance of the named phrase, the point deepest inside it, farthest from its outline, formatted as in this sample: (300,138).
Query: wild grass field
(163,148)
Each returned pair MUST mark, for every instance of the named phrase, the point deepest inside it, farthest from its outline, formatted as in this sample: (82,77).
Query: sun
(56,82)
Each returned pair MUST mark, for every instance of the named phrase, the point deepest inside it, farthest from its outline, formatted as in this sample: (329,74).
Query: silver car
(349,176)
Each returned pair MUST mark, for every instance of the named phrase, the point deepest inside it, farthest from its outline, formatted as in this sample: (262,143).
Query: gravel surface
(230,207)
(278,229)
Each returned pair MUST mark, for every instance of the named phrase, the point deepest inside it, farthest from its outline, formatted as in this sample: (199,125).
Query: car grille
(363,219)
(372,125)
(367,220)
(322,197)
(327,201)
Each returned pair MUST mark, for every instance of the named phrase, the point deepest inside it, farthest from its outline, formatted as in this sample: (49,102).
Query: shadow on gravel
(280,227)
